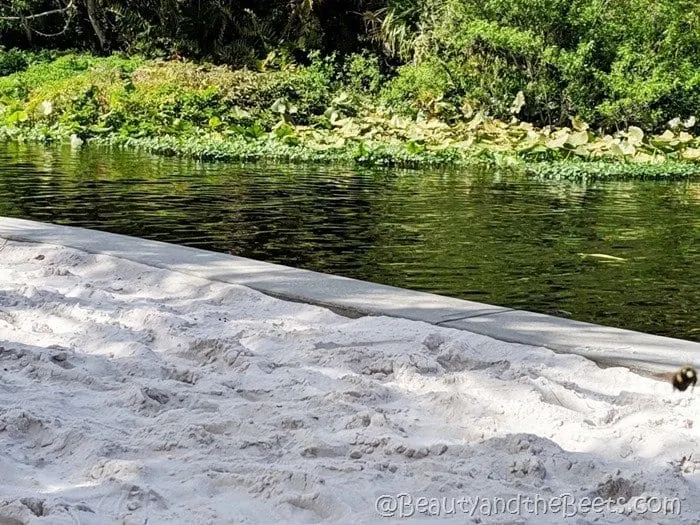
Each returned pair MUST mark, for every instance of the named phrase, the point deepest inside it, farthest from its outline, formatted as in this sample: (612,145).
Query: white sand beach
(136,395)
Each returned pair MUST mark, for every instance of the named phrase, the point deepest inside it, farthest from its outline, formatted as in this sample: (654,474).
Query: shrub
(362,73)
(418,87)
(12,61)
(614,63)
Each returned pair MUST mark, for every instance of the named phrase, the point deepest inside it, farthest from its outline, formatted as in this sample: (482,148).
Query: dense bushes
(237,32)
(89,95)
(12,61)
(629,62)
(332,109)
(614,64)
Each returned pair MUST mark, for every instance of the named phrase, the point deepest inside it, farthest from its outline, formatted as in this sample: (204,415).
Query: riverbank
(314,113)
(133,393)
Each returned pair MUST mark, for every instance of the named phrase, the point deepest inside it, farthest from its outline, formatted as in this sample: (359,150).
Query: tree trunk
(27,31)
(96,27)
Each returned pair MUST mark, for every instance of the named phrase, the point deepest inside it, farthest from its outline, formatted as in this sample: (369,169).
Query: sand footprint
(314,507)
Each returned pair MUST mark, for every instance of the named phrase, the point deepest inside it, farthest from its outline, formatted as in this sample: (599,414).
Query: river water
(622,254)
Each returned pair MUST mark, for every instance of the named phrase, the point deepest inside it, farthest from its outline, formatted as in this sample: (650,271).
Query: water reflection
(497,239)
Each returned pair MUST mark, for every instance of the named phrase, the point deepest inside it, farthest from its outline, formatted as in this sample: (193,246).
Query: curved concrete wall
(605,345)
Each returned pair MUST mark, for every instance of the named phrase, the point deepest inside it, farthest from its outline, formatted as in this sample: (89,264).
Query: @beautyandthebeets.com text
(404,505)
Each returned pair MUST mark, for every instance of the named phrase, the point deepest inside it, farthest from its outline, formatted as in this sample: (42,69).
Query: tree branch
(69,18)
(94,22)
(40,15)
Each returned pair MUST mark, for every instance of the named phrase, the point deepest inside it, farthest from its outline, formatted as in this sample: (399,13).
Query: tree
(55,19)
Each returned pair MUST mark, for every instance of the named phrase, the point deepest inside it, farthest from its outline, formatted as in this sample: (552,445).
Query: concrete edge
(607,346)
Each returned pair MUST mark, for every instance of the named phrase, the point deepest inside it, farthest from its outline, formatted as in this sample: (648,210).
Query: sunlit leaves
(518,103)
(676,123)
(45,108)
(287,115)
(691,154)
(601,170)
(635,136)
(578,124)
(558,141)
(283,107)
(578,138)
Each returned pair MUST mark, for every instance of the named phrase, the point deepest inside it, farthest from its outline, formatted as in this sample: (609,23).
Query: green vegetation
(594,171)
(327,111)
(392,82)
(613,64)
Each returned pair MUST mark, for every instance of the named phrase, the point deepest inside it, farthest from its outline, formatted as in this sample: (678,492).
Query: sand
(135,395)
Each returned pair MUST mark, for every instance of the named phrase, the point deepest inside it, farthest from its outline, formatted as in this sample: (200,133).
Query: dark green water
(502,240)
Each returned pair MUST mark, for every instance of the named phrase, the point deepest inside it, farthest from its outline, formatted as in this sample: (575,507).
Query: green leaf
(616,150)
(361,152)
(415,147)
(17,116)
(518,103)
(578,138)
(578,124)
(558,142)
(255,131)
(45,108)
(284,130)
(214,122)
(279,106)
(635,135)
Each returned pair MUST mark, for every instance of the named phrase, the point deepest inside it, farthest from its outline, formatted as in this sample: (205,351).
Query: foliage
(421,87)
(231,31)
(594,171)
(319,112)
(629,62)
(12,61)
(614,64)
(362,73)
